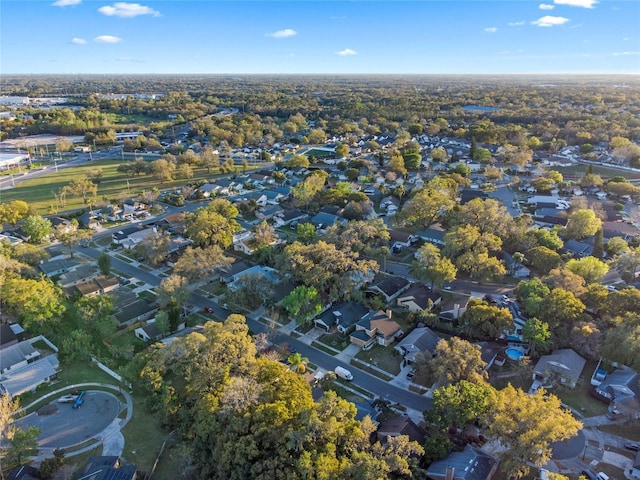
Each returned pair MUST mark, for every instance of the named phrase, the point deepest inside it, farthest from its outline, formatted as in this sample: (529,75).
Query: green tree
(543,259)
(561,308)
(527,425)
(545,238)
(298,161)
(426,206)
(154,248)
(201,263)
(455,360)
(429,265)
(104,264)
(461,403)
(297,362)
(582,223)
(309,187)
(35,301)
(342,150)
(396,163)
(13,211)
(589,268)
(83,187)
(23,444)
(598,245)
(36,228)
(537,334)
(214,224)
(628,264)
(303,303)
(306,233)
(622,343)
(163,170)
(487,321)
(566,279)
(531,294)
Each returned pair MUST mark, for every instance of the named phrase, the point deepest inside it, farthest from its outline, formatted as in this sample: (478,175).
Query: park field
(40,192)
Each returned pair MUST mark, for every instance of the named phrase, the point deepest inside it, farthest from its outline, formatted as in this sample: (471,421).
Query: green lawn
(335,340)
(39,192)
(630,430)
(385,358)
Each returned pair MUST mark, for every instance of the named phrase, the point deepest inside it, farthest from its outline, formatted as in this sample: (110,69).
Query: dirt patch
(48,410)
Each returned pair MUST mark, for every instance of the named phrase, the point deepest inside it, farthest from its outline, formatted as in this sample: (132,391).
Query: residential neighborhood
(424,281)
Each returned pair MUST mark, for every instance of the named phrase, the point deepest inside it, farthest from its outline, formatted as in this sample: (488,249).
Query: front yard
(335,340)
(384,358)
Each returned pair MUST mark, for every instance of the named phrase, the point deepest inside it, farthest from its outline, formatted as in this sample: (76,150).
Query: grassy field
(385,358)
(575,171)
(39,192)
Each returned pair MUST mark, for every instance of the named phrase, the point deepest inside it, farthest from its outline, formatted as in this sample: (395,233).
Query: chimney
(449,473)
(389,312)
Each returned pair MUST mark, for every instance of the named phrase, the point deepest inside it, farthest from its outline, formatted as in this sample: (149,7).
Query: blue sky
(236,36)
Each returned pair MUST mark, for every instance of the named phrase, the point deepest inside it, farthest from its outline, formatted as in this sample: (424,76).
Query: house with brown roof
(376,327)
(398,425)
(97,286)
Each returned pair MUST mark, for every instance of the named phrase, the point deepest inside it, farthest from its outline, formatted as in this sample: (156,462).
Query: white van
(603,476)
(346,375)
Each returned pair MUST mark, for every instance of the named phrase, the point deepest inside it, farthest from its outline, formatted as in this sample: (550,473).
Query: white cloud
(78,41)
(107,39)
(576,3)
(546,6)
(550,21)
(491,29)
(346,52)
(619,54)
(516,24)
(65,3)
(127,10)
(287,32)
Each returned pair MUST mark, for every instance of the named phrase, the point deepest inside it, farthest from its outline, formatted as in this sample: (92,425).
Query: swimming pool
(514,353)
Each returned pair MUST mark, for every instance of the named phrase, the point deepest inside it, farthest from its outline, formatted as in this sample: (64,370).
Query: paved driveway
(69,426)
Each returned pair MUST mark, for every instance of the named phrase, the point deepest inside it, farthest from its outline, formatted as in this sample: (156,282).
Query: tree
(561,308)
(84,188)
(616,246)
(527,425)
(250,291)
(581,224)
(537,334)
(628,264)
(154,248)
(36,228)
(173,292)
(317,136)
(210,159)
(487,321)
(439,154)
(545,238)
(622,343)
(566,279)
(589,268)
(23,444)
(8,408)
(429,265)
(71,236)
(306,233)
(396,163)
(104,264)
(543,259)
(488,216)
(461,403)
(309,187)
(426,206)
(214,224)
(14,211)
(264,234)
(35,301)
(303,303)
(201,263)
(298,161)
(455,360)
(297,362)
(342,150)
(598,245)
(63,145)
(163,170)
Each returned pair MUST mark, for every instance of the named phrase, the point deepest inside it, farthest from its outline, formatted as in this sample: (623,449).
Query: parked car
(589,474)
(632,446)
(343,373)
(208,309)
(69,398)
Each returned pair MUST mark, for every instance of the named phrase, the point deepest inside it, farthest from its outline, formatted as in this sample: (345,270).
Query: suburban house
(376,327)
(389,204)
(107,468)
(97,286)
(564,366)
(268,212)
(141,309)
(419,298)
(228,273)
(80,274)
(434,234)
(61,225)
(57,267)
(390,286)
(8,337)
(89,220)
(619,385)
(286,217)
(22,369)
(470,464)
(267,273)
(133,208)
(210,189)
(323,220)
(397,425)
(343,316)
(127,234)
(421,340)
(400,240)
(577,249)
(148,332)
(516,269)
(24,472)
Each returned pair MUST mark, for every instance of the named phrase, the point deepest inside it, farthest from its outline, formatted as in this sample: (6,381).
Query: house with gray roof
(421,340)
(344,316)
(323,220)
(57,267)
(564,366)
(389,286)
(82,273)
(620,385)
(470,464)
(434,234)
(418,298)
(141,309)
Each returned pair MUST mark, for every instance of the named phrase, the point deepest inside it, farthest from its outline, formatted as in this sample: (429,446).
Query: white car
(68,398)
